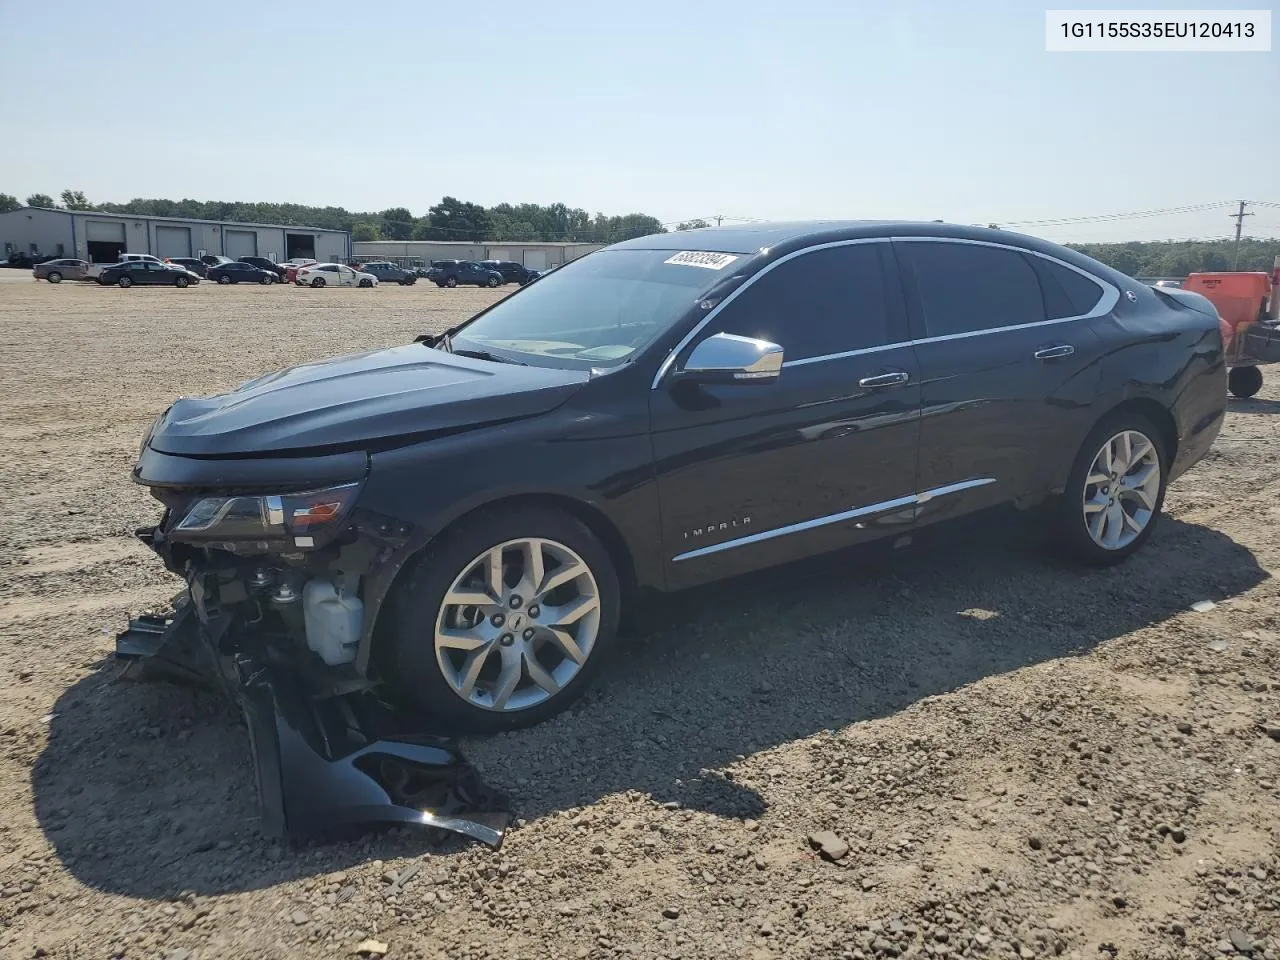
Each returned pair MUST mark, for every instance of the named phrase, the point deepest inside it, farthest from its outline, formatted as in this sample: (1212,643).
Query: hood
(367,397)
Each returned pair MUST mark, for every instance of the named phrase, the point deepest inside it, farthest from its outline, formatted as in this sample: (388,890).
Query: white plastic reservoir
(333,619)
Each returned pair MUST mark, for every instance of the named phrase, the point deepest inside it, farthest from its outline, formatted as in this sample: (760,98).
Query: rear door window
(816,304)
(968,288)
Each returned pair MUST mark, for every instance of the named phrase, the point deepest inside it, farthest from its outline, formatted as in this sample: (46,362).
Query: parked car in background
(291,267)
(146,272)
(511,271)
(235,271)
(215,259)
(95,269)
(194,264)
(265,264)
(25,261)
(453,273)
(388,272)
(681,408)
(55,271)
(334,275)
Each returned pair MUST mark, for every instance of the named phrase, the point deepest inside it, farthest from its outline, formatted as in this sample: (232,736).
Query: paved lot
(1025,759)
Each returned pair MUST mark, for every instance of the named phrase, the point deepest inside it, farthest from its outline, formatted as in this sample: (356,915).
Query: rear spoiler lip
(1190,299)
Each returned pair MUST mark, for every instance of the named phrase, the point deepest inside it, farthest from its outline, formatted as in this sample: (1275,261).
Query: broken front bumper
(321,761)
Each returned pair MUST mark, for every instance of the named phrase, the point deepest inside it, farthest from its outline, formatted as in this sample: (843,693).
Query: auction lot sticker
(1155,31)
(702,258)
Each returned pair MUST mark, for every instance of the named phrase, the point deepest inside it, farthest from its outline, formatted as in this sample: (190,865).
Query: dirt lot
(1024,759)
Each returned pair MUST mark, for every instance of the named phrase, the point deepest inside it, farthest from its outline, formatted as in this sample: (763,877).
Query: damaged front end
(282,592)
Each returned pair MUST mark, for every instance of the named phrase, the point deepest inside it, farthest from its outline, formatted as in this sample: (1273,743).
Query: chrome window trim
(913,499)
(1110,297)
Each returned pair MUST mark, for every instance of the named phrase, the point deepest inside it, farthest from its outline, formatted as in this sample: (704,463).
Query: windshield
(596,311)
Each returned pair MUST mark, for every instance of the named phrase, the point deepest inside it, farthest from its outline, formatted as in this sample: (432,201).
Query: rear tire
(54,277)
(451,282)
(125,282)
(492,282)
(318,282)
(1077,529)
(1244,382)
(417,608)
(224,279)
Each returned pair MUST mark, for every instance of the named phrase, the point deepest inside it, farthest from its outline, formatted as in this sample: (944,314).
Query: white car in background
(333,275)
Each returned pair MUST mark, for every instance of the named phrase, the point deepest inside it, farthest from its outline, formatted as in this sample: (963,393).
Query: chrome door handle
(885,379)
(1052,353)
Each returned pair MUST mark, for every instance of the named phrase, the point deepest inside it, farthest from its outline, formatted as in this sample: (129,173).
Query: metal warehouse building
(535,256)
(102,237)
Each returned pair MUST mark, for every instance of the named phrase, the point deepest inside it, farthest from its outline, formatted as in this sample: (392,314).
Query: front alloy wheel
(517,624)
(502,623)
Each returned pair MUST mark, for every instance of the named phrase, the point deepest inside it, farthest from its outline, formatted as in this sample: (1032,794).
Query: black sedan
(512,272)
(464,518)
(237,272)
(146,272)
(194,264)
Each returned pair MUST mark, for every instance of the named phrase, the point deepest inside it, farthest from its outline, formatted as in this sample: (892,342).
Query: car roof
(759,237)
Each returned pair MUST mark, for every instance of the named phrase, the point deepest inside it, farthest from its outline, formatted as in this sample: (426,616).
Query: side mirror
(729,358)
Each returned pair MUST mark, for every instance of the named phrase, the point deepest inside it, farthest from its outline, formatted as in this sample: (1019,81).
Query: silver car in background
(55,271)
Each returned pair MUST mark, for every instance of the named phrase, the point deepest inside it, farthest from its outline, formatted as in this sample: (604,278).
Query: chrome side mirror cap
(729,358)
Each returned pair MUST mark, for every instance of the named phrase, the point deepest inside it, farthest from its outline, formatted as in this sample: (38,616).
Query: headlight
(296,518)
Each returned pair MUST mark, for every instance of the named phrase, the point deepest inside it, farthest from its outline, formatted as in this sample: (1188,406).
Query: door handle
(1052,353)
(885,379)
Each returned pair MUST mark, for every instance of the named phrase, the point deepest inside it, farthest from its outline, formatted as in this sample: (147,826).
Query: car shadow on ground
(147,790)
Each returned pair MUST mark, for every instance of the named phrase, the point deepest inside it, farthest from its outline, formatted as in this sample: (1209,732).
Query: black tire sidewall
(54,277)
(224,279)
(1244,382)
(181,282)
(1072,534)
(404,642)
(125,282)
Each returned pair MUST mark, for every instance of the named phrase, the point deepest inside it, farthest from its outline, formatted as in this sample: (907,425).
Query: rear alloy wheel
(181,282)
(1244,382)
(125,281)
(54,277)
(1116,489)
(224,279)
(366,282)
(492,282)
(318,282)
(451,282)
(520,605)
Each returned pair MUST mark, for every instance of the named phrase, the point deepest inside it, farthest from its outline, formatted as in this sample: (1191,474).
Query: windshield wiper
(485,355)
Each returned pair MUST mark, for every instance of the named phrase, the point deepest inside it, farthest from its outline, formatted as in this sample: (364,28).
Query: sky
(802,110)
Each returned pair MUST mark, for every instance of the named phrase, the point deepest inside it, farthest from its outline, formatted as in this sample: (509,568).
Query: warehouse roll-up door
(535,259)
(105,240)
(173,242)
(241,243)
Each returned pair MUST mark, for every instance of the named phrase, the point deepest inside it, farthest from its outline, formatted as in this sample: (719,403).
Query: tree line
(453,219)
(450,219)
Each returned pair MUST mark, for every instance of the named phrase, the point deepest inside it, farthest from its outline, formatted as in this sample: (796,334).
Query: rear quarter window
(1066,292)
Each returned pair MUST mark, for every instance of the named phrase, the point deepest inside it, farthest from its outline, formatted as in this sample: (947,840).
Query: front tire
(265,279)
(54,277)
(492,282)
(503,623)
(366,283)
(1115,491)
(1244,382)
(181,282)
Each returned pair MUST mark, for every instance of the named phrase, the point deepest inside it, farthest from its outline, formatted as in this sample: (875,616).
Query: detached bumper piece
(321,763)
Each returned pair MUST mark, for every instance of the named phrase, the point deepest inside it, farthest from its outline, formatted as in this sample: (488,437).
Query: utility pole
(718,219)
(1238,217)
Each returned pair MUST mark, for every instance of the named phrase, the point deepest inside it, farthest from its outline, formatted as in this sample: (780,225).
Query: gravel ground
(963,749)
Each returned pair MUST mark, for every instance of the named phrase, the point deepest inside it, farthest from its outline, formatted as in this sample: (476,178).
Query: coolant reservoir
(333,619)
